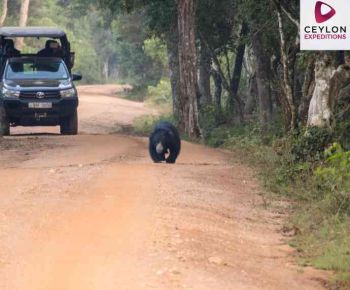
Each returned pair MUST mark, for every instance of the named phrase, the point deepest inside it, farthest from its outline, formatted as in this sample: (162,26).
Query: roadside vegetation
(314,181)
(310,169)
(230,74)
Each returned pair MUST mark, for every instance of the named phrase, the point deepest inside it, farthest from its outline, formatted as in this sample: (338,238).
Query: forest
(230,74)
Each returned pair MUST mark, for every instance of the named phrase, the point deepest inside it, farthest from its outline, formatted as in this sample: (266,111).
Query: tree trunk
(218,89)
(263,74)
(234,102)
(106,70)
(227,81)
(329,79)
(307,91)
(4,12)
(217,96)
(250,104)
(287,83)
(23,17)
(189,91)
(174,70)
(204,76)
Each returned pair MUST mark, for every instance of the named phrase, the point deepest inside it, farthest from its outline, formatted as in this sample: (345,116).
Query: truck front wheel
(69,125)
(4,123)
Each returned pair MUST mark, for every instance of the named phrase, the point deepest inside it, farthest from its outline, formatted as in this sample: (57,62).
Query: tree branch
(286,81)
(226,83)
(288,12)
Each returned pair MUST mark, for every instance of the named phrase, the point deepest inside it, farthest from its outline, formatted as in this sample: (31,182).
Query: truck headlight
(7,93)
(67,93)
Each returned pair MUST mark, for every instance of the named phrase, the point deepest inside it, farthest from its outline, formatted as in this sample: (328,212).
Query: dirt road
(91,212)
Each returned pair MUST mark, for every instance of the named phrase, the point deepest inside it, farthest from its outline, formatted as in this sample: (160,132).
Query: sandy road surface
(91,212)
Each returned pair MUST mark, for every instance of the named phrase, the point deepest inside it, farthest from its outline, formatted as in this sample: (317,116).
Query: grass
(158,97)
(323,226)
(155,96)
(144,125)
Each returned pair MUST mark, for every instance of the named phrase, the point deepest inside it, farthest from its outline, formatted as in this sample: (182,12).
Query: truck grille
(33,95)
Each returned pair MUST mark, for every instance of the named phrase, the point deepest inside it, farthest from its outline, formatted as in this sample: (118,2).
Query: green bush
(316,180)
(137,94)
(160,94)
(208,124)
(229,136)
(310,145)
(333,179)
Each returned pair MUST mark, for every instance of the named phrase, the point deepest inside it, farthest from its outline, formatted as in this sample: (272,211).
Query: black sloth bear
(164,143)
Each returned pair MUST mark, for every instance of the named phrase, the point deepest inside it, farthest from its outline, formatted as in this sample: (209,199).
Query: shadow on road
(33,134)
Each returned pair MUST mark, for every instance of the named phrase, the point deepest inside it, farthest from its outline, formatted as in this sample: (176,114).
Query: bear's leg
(171,158)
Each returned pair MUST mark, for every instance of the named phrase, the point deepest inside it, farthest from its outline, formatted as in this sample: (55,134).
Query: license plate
(40,105)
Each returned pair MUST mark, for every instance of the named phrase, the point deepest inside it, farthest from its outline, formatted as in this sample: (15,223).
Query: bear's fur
(164,143)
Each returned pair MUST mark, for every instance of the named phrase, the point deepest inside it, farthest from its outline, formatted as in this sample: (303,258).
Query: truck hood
(38,83)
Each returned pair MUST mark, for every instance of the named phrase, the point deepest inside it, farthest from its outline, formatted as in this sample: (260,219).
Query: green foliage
(334,177)
(144,125)
(309,146)
(217,26)
(157,96)
(336,255)
(138,63)
(324,243)
(207,121)
(161,17)
(156,49)
(160,95)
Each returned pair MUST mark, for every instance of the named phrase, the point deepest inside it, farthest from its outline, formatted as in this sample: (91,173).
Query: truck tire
(69,125)
(4,123)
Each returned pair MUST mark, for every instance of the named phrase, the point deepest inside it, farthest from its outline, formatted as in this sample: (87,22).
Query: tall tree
(235,101)
(162,22)
(307,90)
(287,86)
(189,91)
(4,12)
(288,58)
(172,42)
(226,47)
(263,40)
(23,18)
(217,94)
(263,81)
(204,76)
(330,77)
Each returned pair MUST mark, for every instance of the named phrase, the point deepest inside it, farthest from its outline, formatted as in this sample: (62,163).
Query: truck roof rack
(13,31)
(37,32)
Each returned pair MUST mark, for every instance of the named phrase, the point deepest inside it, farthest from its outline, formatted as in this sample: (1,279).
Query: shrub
(160,94)
(310,145)
(208,123)
(334,180)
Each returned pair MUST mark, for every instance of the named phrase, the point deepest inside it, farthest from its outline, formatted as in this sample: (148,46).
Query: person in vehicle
(10,50)
(52,49)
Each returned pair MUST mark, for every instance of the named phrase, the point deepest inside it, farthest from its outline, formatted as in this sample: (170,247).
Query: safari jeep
(37,89)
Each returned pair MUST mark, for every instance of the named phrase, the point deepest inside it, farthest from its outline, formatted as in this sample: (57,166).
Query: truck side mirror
(77,77)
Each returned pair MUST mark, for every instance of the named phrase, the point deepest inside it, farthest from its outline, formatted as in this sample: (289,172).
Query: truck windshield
(19,69)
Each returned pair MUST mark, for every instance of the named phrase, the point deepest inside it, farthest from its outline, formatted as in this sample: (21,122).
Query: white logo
(324,25)
(40,95)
